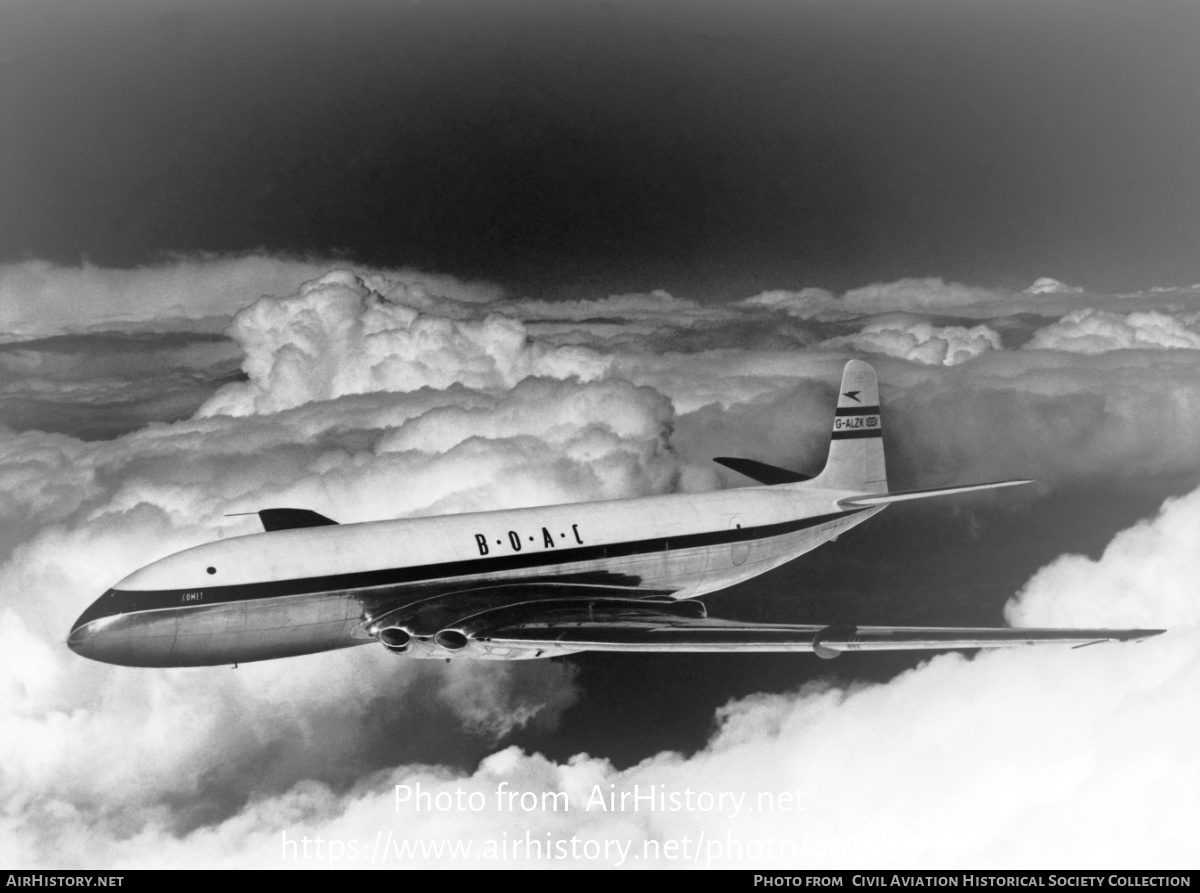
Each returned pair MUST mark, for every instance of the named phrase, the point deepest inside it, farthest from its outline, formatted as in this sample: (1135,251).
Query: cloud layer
(40,298)
(368,394)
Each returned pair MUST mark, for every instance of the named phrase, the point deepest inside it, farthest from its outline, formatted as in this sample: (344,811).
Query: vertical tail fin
(856,448)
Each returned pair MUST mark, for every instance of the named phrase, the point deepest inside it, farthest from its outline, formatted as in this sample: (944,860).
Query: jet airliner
(620,575)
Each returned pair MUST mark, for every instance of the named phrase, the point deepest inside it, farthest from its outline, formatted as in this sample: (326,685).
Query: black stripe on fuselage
(856,435)
(117,601)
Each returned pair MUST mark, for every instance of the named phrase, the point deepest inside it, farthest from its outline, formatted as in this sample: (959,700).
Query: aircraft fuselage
(313,589)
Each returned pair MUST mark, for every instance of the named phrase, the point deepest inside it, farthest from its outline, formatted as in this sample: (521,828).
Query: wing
(543,628)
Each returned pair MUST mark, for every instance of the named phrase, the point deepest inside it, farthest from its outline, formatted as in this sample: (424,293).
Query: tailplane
(855,461)
(906,495)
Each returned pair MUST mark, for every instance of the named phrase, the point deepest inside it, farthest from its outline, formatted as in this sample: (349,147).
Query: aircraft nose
(87,638)
(81,639)
(114,630)
(77,641)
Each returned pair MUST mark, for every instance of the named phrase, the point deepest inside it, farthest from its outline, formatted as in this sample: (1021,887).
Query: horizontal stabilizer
(870,499)
(761,471)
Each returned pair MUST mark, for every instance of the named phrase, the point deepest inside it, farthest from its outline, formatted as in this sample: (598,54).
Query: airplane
(619,575)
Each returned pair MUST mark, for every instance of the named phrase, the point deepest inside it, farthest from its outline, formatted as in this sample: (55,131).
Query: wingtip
(1132,635)
(1145,634)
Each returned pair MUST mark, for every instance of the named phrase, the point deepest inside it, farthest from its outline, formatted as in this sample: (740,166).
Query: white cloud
(930,294)
(1145,578)
(919,341)
(1097,331)
(808,303)
(937,298)
(658,306)
(339,337)
(1049,286)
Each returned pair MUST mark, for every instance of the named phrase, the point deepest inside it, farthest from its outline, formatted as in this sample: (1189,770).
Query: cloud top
(1092,331)
(337,336)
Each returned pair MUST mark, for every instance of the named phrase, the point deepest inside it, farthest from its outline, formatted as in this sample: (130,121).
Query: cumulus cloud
(1145,578)
(920,341)
(943,301)
(807,303)
(372,394)
(917,294)
(1047,285)
(1097,331)
(337,336)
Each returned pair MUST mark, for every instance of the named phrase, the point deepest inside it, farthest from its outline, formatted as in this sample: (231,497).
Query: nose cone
(108,633)
(82,632)
(87,637)
(81,637)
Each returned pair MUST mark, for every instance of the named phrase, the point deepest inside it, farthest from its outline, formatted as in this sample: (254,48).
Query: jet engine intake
(451,640)
(395,639)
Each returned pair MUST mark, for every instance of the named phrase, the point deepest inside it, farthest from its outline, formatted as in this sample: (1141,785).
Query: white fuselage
(313,589)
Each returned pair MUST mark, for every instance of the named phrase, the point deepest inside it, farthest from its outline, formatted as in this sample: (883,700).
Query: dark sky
(557,147)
